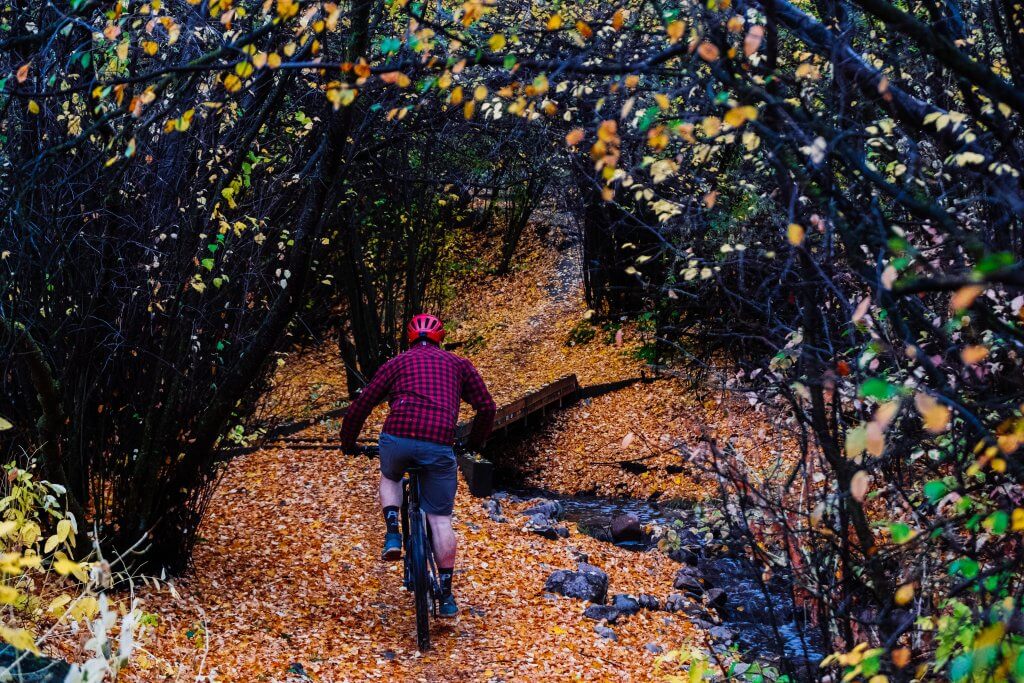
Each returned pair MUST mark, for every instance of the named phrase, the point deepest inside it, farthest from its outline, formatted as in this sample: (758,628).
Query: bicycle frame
(418,543)
(410,512)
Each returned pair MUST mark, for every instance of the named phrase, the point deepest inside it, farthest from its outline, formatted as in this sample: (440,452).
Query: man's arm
(474,392)
(360,409)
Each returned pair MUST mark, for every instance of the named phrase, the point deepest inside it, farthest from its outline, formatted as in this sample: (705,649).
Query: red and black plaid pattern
(424,387)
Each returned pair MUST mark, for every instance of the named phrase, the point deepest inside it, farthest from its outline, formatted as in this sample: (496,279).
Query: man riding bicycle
(424,386)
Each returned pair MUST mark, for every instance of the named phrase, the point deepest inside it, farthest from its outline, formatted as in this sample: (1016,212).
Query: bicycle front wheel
(417,559)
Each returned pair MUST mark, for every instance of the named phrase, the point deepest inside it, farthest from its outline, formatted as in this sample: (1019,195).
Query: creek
(748,608)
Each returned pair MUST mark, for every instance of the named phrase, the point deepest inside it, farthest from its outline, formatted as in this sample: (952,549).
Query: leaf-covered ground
(287,584)
(288,579)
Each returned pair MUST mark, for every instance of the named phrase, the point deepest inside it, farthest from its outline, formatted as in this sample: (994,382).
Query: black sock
(391,518)
(446,580)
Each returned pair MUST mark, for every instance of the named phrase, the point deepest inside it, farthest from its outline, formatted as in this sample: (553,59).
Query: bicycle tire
(420,580)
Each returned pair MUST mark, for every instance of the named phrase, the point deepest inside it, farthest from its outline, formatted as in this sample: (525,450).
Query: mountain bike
(420,571)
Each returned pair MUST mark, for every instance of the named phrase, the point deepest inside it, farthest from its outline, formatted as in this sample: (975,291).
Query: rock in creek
(722,633)
(690,580)
(548,508)
(544,526)
(586,583)
(716,597)
(626,527)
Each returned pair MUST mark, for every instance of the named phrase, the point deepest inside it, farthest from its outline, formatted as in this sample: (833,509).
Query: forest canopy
(817,203)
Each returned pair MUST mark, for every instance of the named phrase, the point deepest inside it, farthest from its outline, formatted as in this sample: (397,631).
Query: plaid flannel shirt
(424,386)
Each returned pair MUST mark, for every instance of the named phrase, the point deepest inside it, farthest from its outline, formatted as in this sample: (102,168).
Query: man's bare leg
(444,540)
(444,550)
(390,493)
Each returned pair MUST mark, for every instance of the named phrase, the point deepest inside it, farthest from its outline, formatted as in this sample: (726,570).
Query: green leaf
(510,61)
(207,263)
(878,388)
(993,262)
(934,490)
(389,45)
(997,522)
(5,424)
(964,566)
(901,533)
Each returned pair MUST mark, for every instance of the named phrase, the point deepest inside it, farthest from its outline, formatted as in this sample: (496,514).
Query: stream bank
(716,586)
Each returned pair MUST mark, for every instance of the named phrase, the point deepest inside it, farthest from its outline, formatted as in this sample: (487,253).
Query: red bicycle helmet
(425,326)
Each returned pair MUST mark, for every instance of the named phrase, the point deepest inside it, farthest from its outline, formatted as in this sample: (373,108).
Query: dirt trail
(288,586)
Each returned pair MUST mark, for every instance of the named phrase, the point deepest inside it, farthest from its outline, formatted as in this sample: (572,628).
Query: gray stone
(602,613)
(587,583)
(654,648)
(690,580)
(626,527)
(675,602)
(493,508)
(605,632)
(548,508)
(722,633)
(716,596)
(626,604)
(649,601)
(544,526)
(684,554)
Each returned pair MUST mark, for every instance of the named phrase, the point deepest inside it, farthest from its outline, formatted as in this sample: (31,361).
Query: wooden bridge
(552,395)
(477,471)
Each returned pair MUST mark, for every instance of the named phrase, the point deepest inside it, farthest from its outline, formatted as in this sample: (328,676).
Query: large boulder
(586,583)
(626,527)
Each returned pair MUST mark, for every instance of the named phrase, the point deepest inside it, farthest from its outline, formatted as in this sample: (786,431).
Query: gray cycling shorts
(439,478)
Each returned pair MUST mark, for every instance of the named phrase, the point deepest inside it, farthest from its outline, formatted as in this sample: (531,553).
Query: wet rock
(626,527)
(587,583)
(602,613)
(654,648)
(684,554)
(626,604)
(605,632)
(548,508)
(726,635)
(675,602)
(716,597)
(690,580)
(544,526)
(649,601)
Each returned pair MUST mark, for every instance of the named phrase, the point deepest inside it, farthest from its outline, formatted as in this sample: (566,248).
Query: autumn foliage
(813,207)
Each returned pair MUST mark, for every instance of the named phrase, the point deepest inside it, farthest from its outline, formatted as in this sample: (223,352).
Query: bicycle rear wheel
(417,558)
